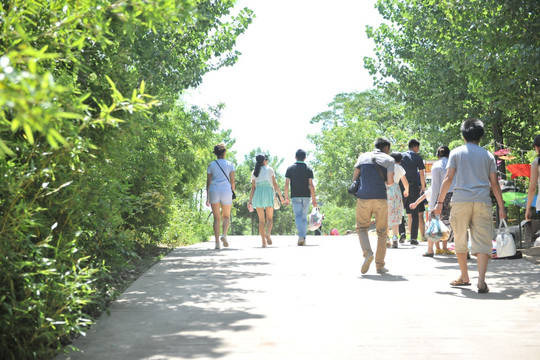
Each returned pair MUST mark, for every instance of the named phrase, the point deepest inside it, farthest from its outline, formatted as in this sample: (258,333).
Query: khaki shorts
(477,217)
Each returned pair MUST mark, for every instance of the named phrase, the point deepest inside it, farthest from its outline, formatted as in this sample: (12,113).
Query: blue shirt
(372,184)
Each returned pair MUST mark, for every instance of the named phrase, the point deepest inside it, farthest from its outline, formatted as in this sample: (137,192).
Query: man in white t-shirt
(475,174)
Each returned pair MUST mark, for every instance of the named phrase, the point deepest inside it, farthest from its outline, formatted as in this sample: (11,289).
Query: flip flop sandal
(459,283)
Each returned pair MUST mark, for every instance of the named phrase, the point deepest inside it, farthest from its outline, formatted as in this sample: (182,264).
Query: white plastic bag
(437,230)
(315,219)
(505,241)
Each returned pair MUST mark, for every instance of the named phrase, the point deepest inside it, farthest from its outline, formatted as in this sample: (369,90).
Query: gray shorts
(221,196)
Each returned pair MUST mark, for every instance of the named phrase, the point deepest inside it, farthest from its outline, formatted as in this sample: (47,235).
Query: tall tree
(350,127)
(449,60)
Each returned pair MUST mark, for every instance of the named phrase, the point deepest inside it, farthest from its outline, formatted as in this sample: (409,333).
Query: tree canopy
(450,60)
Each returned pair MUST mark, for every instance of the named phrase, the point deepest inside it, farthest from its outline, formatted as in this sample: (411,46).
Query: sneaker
(414,242)
(301,241)
(218,245)
(394,244)
(382,270)
(367,262)
(402,238)
(225,242)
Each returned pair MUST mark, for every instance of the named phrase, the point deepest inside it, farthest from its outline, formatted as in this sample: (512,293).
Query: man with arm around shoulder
(376,170)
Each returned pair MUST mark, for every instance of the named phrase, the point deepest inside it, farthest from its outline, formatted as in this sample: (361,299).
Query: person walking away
(299,177)
(395,198)
(475,173)
(414,171)
(261,197)
(375,170)
(534,180)
(220,185)
(438,171)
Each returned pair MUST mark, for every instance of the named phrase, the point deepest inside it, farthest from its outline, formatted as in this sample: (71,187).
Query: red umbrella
(519,170)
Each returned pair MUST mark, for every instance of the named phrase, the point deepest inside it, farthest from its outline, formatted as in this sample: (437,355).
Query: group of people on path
(460,193)
(462,183)
(220,186)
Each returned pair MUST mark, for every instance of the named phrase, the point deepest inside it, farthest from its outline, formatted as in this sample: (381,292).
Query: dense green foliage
(437,63)
(450,60)
(350,127)
(99,157)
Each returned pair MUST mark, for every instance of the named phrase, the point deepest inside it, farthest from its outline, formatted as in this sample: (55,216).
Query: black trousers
(414,194)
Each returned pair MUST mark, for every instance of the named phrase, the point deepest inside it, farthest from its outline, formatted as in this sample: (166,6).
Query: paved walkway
(290,302)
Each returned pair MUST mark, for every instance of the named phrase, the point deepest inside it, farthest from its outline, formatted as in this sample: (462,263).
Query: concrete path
(290,302)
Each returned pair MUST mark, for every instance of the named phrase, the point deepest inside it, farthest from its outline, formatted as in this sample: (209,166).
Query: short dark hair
(381,143)
(300,154)
(443,151)
(413,143)
(397,156)
(220,149)
(472,129)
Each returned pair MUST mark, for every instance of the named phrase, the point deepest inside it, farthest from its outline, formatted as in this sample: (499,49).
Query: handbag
(504,241)
(277,203)
(233,194)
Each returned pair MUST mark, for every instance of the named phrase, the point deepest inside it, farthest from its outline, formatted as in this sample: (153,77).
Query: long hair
(536,142)
(443,152)
(260,160)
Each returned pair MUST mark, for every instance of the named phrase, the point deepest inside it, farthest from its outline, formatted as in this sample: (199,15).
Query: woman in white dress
(395,201)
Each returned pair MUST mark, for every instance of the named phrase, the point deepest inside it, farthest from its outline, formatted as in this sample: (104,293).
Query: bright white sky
(296,56)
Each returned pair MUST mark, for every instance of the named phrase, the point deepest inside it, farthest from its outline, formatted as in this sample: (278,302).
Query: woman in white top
(438,171)
(535,180)
(219,192)
(395,201)
(261,197)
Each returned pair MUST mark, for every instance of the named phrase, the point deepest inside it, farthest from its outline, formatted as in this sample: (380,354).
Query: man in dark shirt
(300,178)
(414,171)
(375,170)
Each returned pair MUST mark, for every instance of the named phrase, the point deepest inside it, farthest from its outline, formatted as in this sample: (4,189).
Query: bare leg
(422,224)
(430,246)
(462,260)
(483,260)
(262,225)
(217,219)
(269,223)
(226,215)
